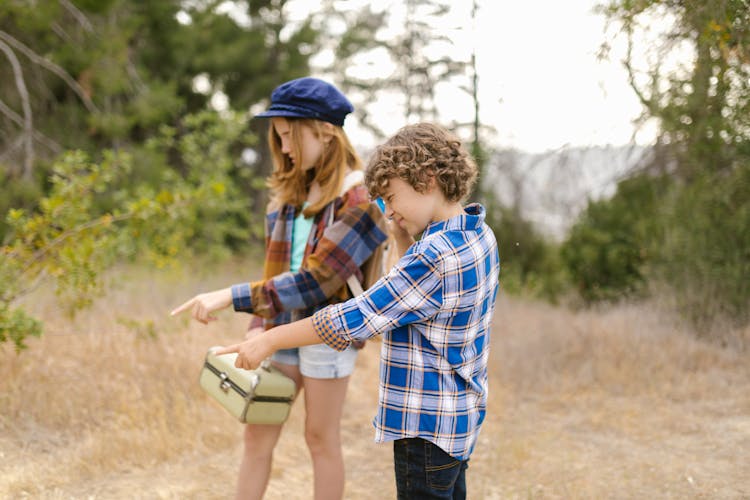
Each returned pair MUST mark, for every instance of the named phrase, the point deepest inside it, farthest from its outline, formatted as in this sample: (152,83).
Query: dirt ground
(617,403)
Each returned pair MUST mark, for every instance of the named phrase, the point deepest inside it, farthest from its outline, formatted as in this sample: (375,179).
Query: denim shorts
(319,360)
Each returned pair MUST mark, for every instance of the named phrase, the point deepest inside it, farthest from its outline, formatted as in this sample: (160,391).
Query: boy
(434,310)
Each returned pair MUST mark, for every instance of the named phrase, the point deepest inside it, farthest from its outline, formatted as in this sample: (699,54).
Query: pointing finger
(183,307)
(228,349)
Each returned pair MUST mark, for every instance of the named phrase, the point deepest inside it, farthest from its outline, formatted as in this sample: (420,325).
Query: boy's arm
(253,351)
(411,292)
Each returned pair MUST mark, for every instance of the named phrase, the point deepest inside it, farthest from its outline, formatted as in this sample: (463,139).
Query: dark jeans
(423,470)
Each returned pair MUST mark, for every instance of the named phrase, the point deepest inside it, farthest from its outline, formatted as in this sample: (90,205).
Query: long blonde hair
(290,183)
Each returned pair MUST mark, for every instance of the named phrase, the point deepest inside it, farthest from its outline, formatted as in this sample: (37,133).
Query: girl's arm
(206,303)
(402,238)
(345,246)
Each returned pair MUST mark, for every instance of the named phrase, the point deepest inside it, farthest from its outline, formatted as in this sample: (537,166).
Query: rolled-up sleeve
(324,328)
(410,293)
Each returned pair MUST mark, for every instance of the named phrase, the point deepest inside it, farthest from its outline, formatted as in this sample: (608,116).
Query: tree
(703,108)
(702,105)
(96,75)
(109,73)
(347,34)
(409,44)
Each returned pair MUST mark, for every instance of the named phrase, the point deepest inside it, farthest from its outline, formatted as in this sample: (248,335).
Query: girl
(320,230)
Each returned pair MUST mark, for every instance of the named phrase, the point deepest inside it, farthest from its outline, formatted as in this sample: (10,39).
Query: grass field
(616,403)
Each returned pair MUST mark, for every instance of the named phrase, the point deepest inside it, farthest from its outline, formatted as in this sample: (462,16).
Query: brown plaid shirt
(332,254)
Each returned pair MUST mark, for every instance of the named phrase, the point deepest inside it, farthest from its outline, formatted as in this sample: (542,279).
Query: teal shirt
(300,234)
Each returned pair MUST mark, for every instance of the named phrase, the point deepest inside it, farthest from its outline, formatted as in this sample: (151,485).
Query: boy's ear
(431,184)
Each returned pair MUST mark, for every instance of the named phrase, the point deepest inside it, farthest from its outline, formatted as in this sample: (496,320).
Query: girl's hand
(398,232)
(401,237)
(204,304)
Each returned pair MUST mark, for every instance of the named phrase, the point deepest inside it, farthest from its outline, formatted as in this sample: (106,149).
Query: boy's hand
(206,303)
(250,353)
(252,332)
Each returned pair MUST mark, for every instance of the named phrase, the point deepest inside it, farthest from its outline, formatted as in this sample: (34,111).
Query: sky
(542,89)
(541,85)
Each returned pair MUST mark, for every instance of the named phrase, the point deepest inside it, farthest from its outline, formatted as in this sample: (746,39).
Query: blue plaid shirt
(434,310)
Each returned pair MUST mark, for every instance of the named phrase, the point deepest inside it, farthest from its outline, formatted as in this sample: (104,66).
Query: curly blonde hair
(419,153)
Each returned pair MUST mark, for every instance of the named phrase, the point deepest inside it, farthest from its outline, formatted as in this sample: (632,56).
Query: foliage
(109,75)
(706,254)
(688,229)
(17,192)
(529,263)
(416,51)
(122,68)
(607,251)
(16,325)
(704,107)
(204,148)
(68,241)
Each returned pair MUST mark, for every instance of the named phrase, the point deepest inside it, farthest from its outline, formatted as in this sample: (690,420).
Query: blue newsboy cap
(309,98)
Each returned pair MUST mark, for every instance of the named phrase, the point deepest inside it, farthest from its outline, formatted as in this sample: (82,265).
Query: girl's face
(307,152)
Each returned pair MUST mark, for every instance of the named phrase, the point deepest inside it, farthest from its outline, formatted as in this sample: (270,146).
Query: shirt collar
(470,220)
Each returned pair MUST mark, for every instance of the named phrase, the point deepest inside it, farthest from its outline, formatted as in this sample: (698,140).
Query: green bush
(207,147)
(607,250)
(529,263)
(95,214)
(16,192)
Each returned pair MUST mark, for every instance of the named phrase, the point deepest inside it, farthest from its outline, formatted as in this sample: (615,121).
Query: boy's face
(409,209)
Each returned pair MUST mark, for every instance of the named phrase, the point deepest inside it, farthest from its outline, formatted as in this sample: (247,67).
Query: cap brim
(281,112)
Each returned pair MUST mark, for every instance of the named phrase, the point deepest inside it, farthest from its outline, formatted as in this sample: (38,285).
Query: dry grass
(609,404)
